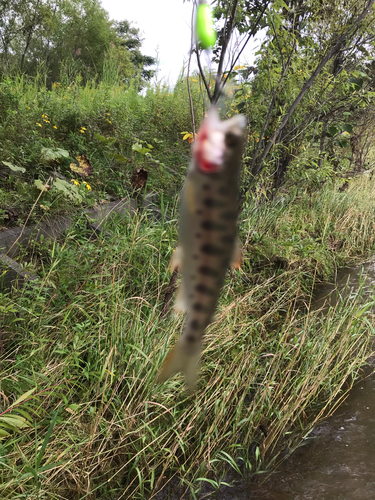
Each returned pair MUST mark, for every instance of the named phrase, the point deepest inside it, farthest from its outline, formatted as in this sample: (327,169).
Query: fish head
(217,141)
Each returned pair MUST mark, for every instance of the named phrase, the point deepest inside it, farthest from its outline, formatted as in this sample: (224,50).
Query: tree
(330,65)
(40,35)
(310,70)
(129,37)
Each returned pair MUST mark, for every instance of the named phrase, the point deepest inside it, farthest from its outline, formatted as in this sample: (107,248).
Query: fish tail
(180,360)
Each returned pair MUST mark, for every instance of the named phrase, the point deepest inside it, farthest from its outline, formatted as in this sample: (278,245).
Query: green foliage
(93,319)
(79,410)
(48,154)
(39,35)
(302,101)
(68,189)
(129,38)
(140,149)
(101,122)
(14,168)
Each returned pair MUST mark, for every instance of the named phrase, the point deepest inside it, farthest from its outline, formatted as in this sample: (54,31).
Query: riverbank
(336,460)
(83,415)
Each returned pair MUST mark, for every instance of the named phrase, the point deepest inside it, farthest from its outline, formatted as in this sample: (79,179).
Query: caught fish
(208,236)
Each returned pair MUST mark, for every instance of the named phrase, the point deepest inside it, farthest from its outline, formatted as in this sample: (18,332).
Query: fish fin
(236,260)
(178,360)
(176,260)
(180,304)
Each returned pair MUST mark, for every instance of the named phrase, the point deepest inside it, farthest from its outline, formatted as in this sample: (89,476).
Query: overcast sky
(166,29)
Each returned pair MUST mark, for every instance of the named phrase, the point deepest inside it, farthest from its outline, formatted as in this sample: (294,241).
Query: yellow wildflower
(55,127)
(87,185)
(75,182)
(39,124)
(83,128)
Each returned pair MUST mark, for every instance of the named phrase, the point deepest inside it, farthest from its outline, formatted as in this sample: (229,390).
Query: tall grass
(102,121)
(81,349)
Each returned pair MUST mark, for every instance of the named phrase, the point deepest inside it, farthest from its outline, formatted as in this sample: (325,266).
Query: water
(337,461)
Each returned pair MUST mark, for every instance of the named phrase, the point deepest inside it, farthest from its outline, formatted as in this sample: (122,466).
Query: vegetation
(312,85)
(71,38)
(116,129)
(80,414)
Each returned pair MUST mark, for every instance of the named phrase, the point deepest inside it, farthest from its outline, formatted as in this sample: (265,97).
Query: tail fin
(178,360)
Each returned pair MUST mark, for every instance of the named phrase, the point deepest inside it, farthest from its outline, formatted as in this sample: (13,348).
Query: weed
(88,339)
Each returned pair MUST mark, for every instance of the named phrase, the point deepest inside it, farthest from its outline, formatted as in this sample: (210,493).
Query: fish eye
(231,140)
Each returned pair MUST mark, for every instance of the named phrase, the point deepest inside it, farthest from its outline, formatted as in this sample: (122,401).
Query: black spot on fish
(228,239)
(210,225)
(198,307)
(191,338)
(211,249)
(198,235)
(199,212)
(191,296)
(206,187)
(208,271)
(212,203)
(193,277)
(231,140)
(229,216)
(204,289)
(195,256)
(194,324)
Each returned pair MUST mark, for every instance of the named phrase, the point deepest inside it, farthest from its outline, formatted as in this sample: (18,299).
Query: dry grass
(96,425)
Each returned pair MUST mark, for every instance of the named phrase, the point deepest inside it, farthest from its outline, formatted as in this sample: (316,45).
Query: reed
(81,416)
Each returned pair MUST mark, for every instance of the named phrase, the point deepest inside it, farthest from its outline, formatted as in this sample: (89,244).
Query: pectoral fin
(176,260)
(236,260)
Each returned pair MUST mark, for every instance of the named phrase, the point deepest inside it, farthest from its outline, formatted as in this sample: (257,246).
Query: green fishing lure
(205,33)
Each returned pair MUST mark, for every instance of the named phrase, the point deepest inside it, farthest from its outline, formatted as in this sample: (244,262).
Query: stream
(337,460)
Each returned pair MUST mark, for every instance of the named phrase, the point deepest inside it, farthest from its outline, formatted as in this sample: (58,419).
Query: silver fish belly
(207,233)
